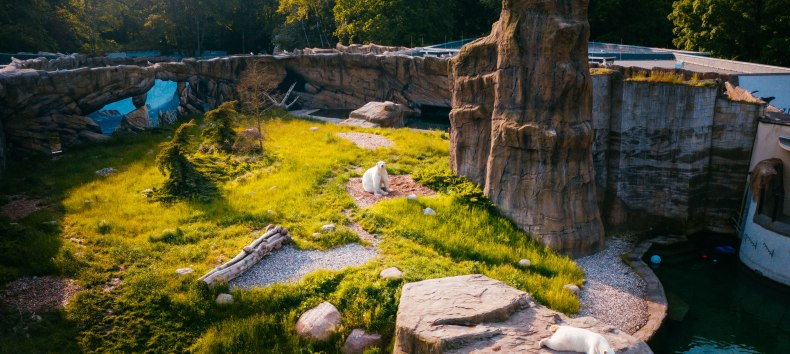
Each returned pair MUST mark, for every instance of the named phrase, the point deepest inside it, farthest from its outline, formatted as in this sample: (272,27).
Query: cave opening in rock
(431,117)
(161,107)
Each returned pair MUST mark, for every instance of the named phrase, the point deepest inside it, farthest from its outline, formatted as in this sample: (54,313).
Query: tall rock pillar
(522,121)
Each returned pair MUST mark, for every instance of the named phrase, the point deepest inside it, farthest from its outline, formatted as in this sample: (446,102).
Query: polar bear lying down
(572,339)
(376,180)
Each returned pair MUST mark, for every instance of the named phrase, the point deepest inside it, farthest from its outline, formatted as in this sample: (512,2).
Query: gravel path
(367,141)
(39,294)
(613,293)
(289,264)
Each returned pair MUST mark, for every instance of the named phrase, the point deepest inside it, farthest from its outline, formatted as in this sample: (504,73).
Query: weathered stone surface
(385,114)
(522,110)
(224,299)
(359,123)
(573,289)
(136,121)
(359,340)
(371,48)
(139,100)
(184,271)
(474,313)
(319,323)
(391,273)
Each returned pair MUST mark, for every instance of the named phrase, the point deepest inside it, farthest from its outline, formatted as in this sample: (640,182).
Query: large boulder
(521,118)
(136,121)
(474,313)
(318,323)
(385,114)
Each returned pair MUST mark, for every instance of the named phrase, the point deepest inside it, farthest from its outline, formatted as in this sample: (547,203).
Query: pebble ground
(613,292)
(290,264)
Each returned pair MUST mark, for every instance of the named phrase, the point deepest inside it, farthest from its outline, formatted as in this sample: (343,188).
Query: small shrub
(104,227)
(183,180)
(218,133)
(169,236)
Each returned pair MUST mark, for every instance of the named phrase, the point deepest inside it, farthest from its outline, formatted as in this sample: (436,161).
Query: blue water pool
(717,305)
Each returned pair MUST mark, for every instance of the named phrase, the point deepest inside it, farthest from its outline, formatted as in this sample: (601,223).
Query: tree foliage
(412,23)
(753,30)
(756,30)
(183,179)
(218,134)
(634,22)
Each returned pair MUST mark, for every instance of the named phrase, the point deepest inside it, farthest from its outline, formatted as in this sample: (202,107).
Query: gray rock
(359,123)
(573,289)
(225,299)
(429,211)
(184,271)
(104,172)
(319,322)
(411,197)
(385,114)
(93,137)
(391,273)
(525,263)
(329,228)
(136,121)
(313,129)
(359,340)
(474,313)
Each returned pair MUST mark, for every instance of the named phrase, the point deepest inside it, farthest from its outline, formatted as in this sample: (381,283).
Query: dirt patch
(20,208)
(39,294)
(367,141)
(400,186)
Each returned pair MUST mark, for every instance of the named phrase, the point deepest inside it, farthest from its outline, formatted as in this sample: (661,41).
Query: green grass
(299,184)
(672,78)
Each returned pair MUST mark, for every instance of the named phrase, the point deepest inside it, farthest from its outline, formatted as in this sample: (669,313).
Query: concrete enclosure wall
(670,156)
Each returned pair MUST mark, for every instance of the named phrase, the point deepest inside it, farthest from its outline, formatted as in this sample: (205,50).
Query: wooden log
(266,235)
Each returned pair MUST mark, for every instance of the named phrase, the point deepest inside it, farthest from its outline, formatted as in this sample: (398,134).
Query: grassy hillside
(107,228)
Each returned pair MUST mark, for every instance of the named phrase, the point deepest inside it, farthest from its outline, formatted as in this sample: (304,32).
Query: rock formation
(37,102)
(383,114)
(318,323)
(474,313)
(522,110)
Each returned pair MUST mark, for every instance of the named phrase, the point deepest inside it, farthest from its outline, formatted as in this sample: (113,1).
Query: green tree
(635,22)
(218,133)
(313,18)
(756,30)
(183,180)
(41,25)
(402,22)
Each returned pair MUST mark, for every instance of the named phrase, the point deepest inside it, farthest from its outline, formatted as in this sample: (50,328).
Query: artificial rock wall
(39,98)
(670,157)
(522,121)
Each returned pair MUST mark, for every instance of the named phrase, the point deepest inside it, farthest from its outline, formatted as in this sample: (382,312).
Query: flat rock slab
(476,314)
(400,186)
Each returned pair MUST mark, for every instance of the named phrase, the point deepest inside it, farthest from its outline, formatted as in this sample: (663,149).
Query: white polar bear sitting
(376,180)
(573,339)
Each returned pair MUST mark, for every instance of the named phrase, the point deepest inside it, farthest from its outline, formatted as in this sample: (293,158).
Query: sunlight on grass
(108,228)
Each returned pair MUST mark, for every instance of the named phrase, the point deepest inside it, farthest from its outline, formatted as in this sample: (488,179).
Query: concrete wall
(670,156)
(765,251)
